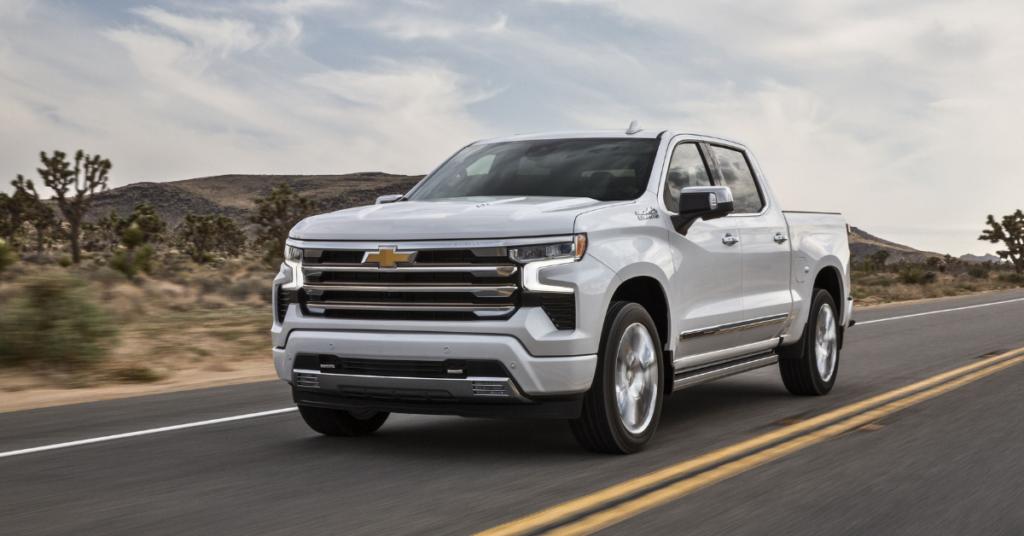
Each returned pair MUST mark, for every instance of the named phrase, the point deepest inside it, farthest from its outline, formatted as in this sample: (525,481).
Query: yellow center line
(626,510)
(763,444)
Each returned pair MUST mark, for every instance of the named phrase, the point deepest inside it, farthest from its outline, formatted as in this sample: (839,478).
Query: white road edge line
(146,432)
(865,322)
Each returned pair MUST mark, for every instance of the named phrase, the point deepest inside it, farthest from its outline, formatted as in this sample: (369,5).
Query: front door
(707,280)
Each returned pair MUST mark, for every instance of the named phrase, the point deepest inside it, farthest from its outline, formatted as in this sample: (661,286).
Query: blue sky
(907,116)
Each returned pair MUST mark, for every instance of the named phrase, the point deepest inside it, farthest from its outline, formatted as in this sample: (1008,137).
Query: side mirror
(384,199)
(702,203)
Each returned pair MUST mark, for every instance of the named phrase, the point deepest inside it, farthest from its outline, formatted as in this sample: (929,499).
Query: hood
(450,219)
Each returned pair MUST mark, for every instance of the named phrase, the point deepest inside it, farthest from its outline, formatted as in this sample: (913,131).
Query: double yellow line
(612,505)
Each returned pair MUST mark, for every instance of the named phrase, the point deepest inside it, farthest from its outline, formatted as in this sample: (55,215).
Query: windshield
(602,169)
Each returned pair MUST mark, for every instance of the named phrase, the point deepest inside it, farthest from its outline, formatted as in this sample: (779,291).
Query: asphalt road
(952,464)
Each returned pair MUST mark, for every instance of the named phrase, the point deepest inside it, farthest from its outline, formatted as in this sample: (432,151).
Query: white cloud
(905,115)
(184,94)
(407,27)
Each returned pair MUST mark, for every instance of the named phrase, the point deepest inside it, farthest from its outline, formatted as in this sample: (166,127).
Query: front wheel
(809,368)
(622,407)
(339,422)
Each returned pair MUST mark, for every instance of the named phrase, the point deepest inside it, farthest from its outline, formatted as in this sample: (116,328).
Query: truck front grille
(453,284)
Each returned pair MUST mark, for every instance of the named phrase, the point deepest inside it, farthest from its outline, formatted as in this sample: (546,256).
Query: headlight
(565,250)
(537,258)
(292,254)
(293,258)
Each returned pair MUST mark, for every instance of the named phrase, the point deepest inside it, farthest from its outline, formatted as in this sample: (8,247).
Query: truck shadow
(684,412)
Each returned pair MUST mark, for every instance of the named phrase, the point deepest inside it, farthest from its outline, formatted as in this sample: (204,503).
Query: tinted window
(685,169)
(737,176)
(607,170)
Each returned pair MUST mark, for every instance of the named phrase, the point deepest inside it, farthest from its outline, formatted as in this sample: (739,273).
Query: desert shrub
(1012,278)
(132,261)
(978,272)
(929,278)
(879,282)
(7,255)
(55,321)
(912,276)
(107,278)
(859,294)
(136,374)
(243,288)
(64,261)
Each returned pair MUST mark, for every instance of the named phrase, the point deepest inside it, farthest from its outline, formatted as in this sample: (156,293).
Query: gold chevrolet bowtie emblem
(387,257)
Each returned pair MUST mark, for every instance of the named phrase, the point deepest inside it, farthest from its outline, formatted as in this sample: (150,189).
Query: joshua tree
(1011,233)
(880,257)
(202,235)
(149,223)
(277,213)
(37,213)
(109,229)
(136,254)
(12,215)
(74,188)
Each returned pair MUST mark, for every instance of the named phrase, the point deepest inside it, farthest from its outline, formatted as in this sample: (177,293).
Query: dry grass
(187,317)
(878,287)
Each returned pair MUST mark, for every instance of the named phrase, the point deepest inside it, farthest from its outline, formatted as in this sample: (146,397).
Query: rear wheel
(622,407)
(809,368)
(339,422)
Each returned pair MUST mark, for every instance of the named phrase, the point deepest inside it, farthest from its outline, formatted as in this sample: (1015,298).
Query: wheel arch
(829,280)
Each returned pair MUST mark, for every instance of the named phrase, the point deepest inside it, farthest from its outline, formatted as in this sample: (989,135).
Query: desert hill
(863,243)
(232,195)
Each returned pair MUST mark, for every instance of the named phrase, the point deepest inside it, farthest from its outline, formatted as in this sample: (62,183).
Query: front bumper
(569,408)
(529,378)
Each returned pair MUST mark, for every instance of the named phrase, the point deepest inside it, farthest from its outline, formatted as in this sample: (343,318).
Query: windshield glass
(602,169)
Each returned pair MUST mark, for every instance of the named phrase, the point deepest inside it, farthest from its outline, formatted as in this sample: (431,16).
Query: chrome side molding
(736,326)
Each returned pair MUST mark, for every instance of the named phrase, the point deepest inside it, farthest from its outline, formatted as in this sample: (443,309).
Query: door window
(737,176)
(685,169)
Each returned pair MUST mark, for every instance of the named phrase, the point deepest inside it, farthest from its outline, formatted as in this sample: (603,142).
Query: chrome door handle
(780,238)
(730,239)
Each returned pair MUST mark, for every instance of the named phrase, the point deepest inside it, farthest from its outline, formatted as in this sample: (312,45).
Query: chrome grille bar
(481,310)
(483,291)
(479,271)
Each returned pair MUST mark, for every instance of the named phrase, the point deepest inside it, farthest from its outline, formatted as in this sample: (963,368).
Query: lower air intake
(307,380)
(489,389)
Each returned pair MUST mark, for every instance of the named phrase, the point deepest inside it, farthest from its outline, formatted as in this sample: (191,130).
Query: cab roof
(606,133)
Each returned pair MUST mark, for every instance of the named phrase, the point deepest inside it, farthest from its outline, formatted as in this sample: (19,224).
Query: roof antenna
(634,127)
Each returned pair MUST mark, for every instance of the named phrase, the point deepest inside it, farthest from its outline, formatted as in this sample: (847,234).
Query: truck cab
(580,276)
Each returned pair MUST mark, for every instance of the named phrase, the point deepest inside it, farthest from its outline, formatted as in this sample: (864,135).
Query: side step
(721,370)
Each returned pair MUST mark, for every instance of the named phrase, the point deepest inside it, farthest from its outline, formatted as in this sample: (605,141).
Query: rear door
(706,286)
(764,237)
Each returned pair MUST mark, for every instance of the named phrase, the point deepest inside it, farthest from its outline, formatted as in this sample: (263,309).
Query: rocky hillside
(232,195)
(862,243)
(982,258)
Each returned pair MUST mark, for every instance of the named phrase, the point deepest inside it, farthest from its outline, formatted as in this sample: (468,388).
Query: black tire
(338,422)
(599,428)
(798,363)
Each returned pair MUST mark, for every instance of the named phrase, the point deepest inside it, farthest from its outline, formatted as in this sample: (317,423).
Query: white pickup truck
(581,276)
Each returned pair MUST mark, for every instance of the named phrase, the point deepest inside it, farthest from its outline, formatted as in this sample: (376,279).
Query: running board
(721,370)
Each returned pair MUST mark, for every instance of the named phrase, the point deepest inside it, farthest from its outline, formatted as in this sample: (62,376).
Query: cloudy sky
(907,116)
